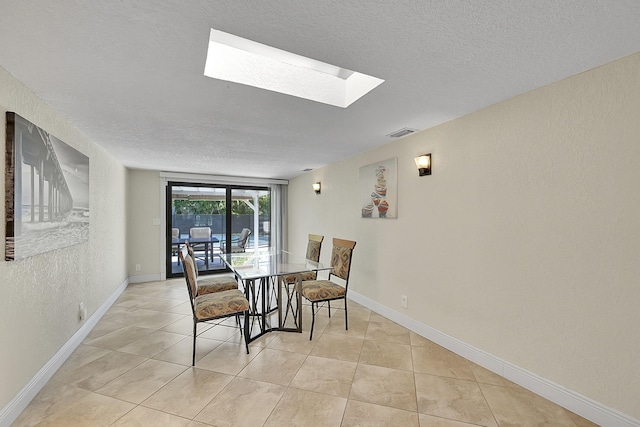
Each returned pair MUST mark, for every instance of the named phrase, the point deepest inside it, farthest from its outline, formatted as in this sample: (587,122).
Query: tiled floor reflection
(134,369)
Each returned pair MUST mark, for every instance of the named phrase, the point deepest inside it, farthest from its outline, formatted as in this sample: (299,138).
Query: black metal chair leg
(329,306)
(246,330)
(313,320)
(346,318)
(193,360)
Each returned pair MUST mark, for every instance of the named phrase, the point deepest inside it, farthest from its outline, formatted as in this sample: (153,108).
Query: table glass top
(255,265)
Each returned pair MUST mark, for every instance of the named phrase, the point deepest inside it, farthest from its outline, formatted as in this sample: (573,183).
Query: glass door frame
(228,222)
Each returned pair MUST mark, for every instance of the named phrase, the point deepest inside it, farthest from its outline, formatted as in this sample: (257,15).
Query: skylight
(243,61)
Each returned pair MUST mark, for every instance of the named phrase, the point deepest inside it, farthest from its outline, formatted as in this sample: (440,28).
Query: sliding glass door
(251,213)
(215,219)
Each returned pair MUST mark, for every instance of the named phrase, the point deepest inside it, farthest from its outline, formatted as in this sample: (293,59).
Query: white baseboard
(14,408)
(145,278)
(569,399)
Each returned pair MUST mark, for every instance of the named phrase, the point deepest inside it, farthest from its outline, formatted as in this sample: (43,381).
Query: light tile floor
(134,369)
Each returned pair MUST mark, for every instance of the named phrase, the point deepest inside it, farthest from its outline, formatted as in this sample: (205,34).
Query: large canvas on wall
(379,189)
(47,191)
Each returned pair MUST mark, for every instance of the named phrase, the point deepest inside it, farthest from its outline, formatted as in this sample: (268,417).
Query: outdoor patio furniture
(237,245)
(200,233)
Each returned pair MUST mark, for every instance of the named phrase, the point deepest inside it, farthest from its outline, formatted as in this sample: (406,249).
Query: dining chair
(208,284)
(320,291)
(239,245)
(214,306)
(313,253)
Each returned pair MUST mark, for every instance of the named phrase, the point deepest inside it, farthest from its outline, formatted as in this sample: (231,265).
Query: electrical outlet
(404,301)
(138,267)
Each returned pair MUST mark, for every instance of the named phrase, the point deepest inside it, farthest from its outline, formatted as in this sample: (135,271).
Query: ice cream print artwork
(378,186)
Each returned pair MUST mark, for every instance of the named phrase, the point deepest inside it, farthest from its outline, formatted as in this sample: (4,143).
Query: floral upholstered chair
(213,306)
(209,284)
(313,253)
(320,291)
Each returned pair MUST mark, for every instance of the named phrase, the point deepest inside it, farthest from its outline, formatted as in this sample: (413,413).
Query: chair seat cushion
(220,304)
(307,275)
(320,290)
(208,285)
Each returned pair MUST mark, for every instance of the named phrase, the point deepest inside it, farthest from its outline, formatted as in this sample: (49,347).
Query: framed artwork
(47,191)
(379,189)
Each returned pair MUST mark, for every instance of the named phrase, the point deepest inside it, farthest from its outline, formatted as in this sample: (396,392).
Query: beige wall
(525,241)
(144,242)
(39,296)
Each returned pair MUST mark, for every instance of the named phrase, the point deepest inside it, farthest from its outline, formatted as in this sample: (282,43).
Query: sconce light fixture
(316,187)
(423,162)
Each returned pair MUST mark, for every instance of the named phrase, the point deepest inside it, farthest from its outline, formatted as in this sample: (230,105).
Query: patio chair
(213,306)
(199,233)
(320,291)
(175,248)
(237,246)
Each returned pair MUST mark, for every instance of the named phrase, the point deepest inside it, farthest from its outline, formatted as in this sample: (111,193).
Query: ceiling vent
(402,132)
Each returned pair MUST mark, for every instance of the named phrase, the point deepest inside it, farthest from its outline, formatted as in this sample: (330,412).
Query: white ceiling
(129,74)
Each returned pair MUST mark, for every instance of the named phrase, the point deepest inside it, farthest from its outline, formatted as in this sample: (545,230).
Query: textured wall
(525,241)
(144,244)
(39,296)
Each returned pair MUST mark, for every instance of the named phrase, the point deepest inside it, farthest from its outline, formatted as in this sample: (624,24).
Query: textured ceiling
(129,74)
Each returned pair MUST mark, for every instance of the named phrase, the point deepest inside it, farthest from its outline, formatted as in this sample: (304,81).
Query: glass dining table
(273,303)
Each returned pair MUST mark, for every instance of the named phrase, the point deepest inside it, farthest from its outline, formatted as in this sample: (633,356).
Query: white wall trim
(569,399)
(14,408)
(163,228)
(219,179)
(145,278)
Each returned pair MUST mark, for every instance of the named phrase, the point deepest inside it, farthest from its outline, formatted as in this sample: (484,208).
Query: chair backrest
(188,267)
(314,246)
(200,232)
(189,250)
(244,236)
(184,251)
(341,258)
(175,233)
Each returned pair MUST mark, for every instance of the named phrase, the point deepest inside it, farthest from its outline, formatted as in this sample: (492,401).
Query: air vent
(402,132)
(307,170)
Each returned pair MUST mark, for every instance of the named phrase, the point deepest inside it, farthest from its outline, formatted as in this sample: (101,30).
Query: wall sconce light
(316,187)
(423,163)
